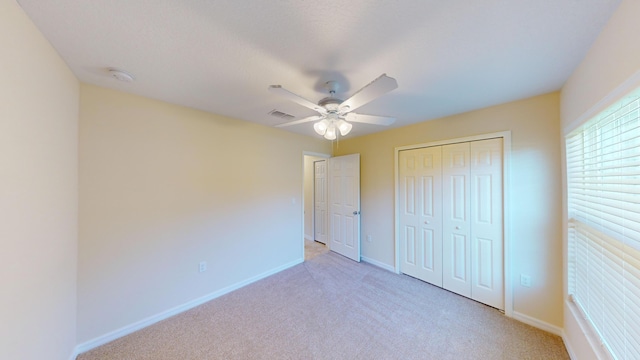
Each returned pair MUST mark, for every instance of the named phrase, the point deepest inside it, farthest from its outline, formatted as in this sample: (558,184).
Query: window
(603,183)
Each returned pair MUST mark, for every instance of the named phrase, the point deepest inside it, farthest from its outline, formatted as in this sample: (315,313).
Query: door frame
(313,209)
(506,199)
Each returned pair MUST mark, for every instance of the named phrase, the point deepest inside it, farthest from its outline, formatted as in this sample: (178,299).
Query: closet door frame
(506,186)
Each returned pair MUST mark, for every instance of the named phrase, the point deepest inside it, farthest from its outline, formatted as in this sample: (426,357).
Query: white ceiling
(220,56)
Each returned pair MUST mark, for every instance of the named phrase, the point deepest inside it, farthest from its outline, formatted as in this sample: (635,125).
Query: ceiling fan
(336,115)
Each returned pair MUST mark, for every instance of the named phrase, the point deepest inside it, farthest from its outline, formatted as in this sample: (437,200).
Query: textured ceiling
(220,56)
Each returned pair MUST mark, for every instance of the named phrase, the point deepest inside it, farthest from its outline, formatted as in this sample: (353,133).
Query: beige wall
(613,59)
(38,193)
(610,69)
(535,192)
(164,187)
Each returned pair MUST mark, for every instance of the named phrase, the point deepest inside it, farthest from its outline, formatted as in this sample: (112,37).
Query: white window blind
(603,183)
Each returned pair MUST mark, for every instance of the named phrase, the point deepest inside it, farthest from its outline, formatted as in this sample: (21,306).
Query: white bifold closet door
(487,240)
(421,214)
(456,203)
(450,218)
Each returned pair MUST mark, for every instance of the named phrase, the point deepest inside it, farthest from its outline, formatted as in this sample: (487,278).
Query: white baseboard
(537,323)
(378,263)
(126,330)
(308,237)
(567,345)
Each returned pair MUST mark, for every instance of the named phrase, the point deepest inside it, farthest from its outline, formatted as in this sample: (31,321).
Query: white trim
(595,343)
(378,263)
(567,345)
(506,218)
(316,154)
(506,176)
(455,140)
(537,323)
(128,329)
(616,94)
(396,206)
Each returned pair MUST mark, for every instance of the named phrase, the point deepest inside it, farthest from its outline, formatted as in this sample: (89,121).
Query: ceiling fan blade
(301,121)
(378,87)
(279,90)
(370,119)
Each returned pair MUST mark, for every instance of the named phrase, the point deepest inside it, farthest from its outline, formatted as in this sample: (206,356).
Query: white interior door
(344,205)
(320,201)
(420,218)
(486,222)
(456,220)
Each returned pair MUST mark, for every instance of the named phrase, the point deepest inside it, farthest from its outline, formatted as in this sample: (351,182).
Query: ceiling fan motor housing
(330,103)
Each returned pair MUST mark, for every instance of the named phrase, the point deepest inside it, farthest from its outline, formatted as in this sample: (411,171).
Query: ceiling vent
(281,115)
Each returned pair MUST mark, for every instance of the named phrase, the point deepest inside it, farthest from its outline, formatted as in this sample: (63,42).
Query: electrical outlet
(525,280)
(203,266)
(369,238)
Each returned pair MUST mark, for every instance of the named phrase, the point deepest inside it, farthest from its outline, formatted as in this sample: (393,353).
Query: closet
(450,218)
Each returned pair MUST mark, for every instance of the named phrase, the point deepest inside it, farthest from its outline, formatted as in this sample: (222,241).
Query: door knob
(457,227)
(426,222)
(356,213)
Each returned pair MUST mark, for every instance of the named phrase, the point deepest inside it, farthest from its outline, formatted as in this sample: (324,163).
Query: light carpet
(330,307)
(313,249)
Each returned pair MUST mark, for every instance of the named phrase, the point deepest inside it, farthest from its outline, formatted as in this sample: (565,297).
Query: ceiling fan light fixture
(321,126)
(331,133)
(344,127)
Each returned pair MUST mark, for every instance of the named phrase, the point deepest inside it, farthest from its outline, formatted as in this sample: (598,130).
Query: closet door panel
(486,222)
(456,219)
(420,218)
